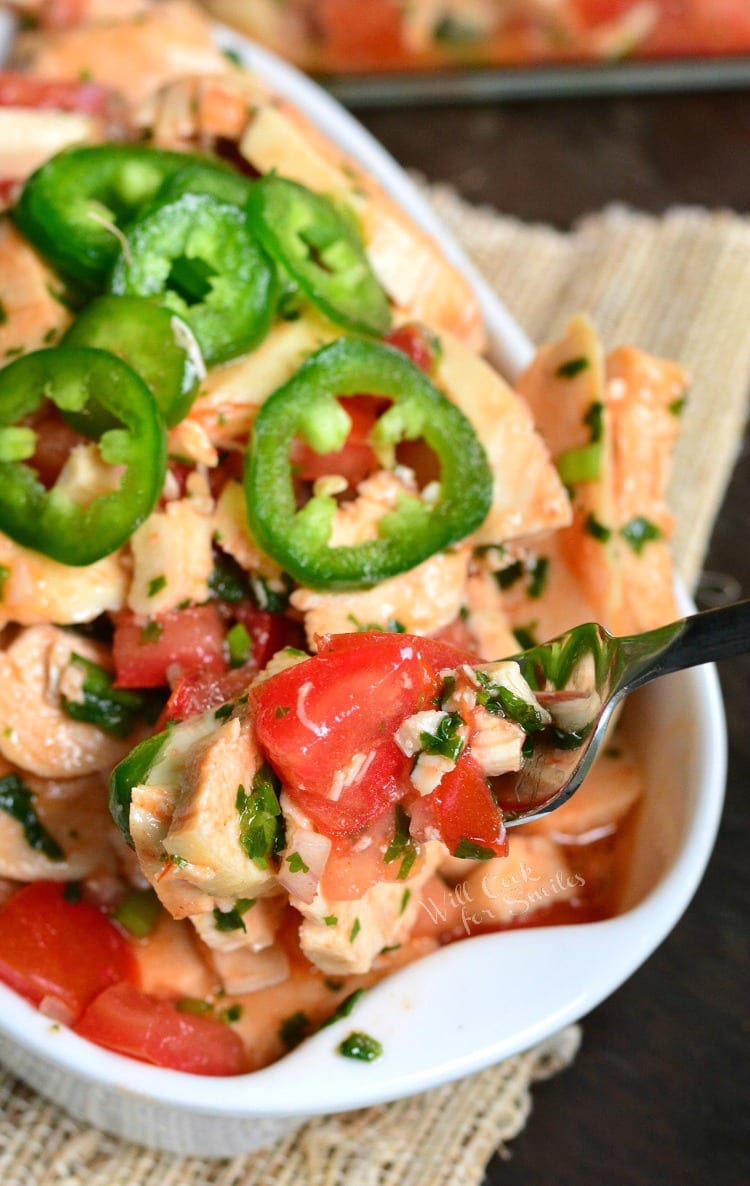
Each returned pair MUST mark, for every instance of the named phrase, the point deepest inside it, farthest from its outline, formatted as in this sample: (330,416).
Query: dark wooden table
(660,1093)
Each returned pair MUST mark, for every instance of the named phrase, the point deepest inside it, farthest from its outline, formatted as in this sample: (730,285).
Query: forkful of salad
(582,676)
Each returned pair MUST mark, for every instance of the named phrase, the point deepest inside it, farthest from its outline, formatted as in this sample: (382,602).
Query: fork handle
(702,638)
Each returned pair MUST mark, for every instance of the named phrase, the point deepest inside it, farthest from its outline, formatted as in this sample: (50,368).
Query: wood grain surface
(660,1093)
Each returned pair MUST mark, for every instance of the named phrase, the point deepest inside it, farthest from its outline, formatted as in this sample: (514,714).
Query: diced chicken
(231,394)
(171,964)
(534,875)
(415,274)
(608,793)
(85,477)
(423,600)
(30,136)
(35,731)
(496,743)
(197,111)
(39,590)
(205,827)
(245,971)
(74,814)
(189,440)
(366,925)
(528,496)
(169,41)
(260,923)
(172,558)
(428,770)
(233,536)
(32,315)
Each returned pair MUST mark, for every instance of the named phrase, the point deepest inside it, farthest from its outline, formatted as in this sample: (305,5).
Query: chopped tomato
(268,632)
(126,1020)
(360,36)
(354,866)
(462,808)
(60,951)
(357,458)
(153,652)
(197,691)
(55,440)
(327,725)
(90,98)
(418,342)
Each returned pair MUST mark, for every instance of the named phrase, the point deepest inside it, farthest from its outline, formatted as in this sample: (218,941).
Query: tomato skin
(462,808)
(349,699)
(50,947)
(187,640)
(196,692)
(124,1019)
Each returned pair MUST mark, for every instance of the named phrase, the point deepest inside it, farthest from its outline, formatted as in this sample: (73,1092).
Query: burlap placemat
(679,286)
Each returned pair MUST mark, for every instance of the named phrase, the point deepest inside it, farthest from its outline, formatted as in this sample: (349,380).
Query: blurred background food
(353,36)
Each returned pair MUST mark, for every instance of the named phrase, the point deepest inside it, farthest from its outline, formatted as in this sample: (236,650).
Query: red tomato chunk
(183,640)
(65,951)
(125,1020)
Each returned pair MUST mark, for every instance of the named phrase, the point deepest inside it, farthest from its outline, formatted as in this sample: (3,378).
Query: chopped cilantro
(228,582)
(571,368)
(296,864)
(232,920)
(593,527)
(404,901)
(294,1029)
(508,576)
(539,574)
(156,585)
(502,702)
(360,1046)
(138,912)
(344,1008)
(468,850)
(231,1013)
(4,578)
(151,632)
(113,710)
(17,799)
(356,928)
(638,532)
(330,920)
(445,740)
(261,822)
(401,845)
(282,711)
(594,419)
(73,891)
(677,406)
(194,1005)
(224,711)
(333,985)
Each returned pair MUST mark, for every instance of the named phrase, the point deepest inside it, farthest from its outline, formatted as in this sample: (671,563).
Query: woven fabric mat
(678,286)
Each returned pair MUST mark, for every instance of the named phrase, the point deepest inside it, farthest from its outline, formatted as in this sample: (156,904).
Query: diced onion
(313,850)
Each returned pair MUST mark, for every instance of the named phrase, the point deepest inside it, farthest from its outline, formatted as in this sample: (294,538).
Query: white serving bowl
(468,1005)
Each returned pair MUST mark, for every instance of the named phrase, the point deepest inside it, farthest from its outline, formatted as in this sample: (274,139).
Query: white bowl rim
(313,1079)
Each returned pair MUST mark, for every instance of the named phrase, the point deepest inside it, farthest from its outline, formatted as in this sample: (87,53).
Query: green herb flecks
(361,1046)
(593,527)
(401,846)
(539,574)
(468,850)
(506,577)
(156,585)
(232,920)
(294,1029)
(445,741)
(296,864)
(639,532)
(525,636)
(344,1008)
(571,368)
(17,799)
(261,822)
(502,702)
(113,710)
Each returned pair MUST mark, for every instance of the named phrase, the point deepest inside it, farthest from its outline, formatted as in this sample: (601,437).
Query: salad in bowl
(273,529)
